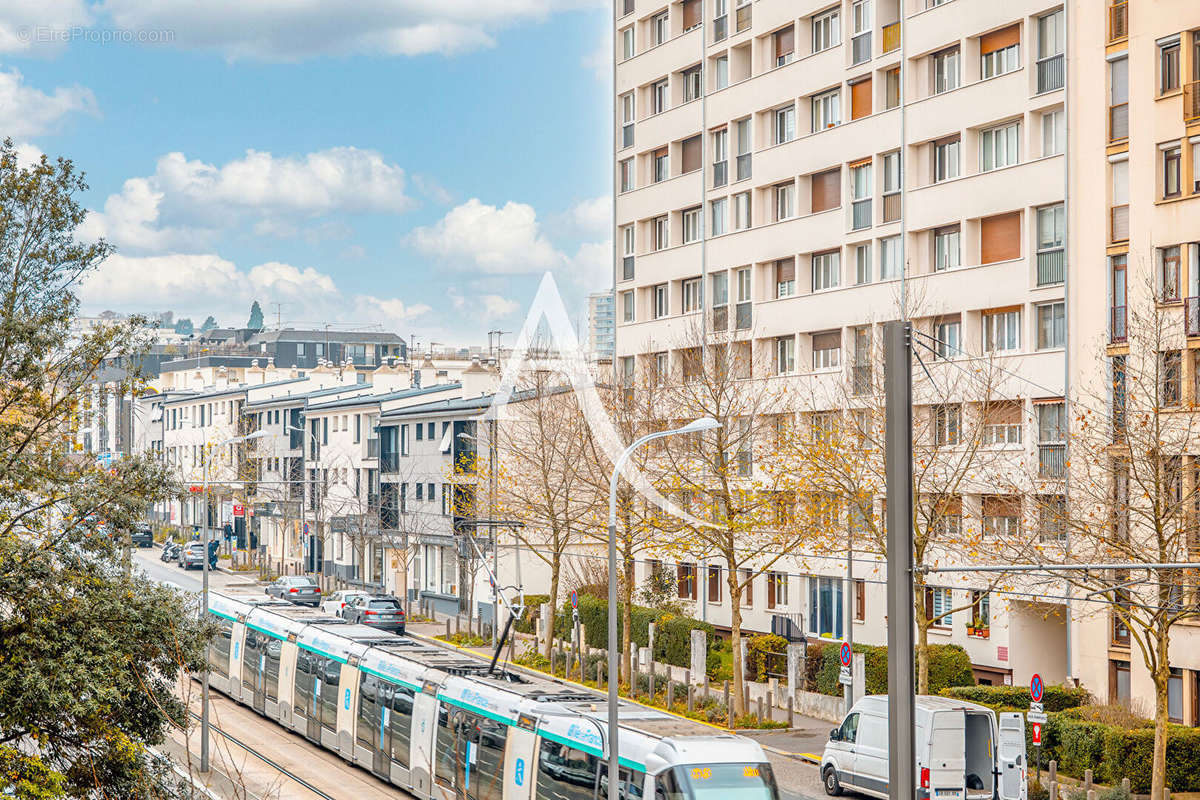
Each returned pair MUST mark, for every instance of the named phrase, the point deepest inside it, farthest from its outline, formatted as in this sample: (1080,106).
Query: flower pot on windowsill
(970,630)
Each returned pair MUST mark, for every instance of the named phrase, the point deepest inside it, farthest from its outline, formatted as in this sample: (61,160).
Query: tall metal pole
(204,618)
(897,376)
(849,611)
(492,530)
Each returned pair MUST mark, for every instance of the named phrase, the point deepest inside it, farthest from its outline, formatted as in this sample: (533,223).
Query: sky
(411,164)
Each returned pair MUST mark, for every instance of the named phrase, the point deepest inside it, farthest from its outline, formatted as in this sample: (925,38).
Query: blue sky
(412,163)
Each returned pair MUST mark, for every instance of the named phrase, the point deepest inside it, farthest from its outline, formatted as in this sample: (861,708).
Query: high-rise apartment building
(600,321)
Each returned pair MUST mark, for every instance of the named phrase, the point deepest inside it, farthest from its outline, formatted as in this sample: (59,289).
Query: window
(1002,423)
(785,277)
(720,22)
(661,301)
(826,110)
(628,304)
(777,585)
(826,270)
(826,190)
(660,28)
(741,211)
(785,200)
(1168,274)
(945,159)
(891,187)
(662,236)
(889,258)
(860,34)
(626,168)
(860,196)
(862,264)
(981,613)
(949,338)
(714,584)
(691,84)
(721,72)
(826,31)
(785,45)
(785,355)
(746,580)
(691,14)
(785,124)
(627,44)
(1168,66)
(627,120)
(1001,331)
(561,770)
(1118,87)
(1171,160)
(742,278)
(947,422)
(939,603)
(720,214)
(660,96)
(691,295)
(825,607)
(1119,231)
(744,147)
(946,248)
(685,576)
(691,225)
(720,155)
(998,147)
(1054,133)
(1000,238)
(627,243)
(826,349)
(1052,439)
(1117,331)
(945,70)
(1051,326)
(1051,233)
(891,87)
(1000,52)
(1169,368)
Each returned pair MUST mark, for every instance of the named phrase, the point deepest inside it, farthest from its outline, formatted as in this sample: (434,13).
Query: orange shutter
(997,40)
(785,270)
(691,154)
(826,190)
(785,41)
(1000,238)
(860,99)
(691,14)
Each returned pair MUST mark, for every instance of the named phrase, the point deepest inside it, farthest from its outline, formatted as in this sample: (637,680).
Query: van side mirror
(835,735)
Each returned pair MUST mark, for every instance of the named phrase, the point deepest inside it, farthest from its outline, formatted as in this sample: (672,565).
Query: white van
(962,753)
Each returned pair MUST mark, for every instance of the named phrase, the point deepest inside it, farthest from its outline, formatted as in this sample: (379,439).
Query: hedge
(1113,752)
(949,665)
(1016,698)
(765,653)
(533,608)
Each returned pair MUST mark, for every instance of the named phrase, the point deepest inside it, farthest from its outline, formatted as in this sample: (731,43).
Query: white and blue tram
(434,723)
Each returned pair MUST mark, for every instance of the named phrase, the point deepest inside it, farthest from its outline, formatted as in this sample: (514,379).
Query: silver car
(337,602)
(299,589)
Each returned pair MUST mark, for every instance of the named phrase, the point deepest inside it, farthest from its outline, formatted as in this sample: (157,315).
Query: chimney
(477,380)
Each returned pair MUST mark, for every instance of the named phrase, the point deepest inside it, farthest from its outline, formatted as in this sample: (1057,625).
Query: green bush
(533,605)
(765,653)
(949,665)
(1016,698)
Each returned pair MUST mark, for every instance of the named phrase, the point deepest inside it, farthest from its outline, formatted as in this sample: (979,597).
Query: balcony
(743,166)
(745,16)
(1051,267)
(1191,101)
(1051,74)
(720,28)
(861,214)
(1052,460)
(1191,316)
(720,174)
(1119,230)
(860,48)
(1118,122)
(1118,21)
(891,37)
(1116,330)
(891,207)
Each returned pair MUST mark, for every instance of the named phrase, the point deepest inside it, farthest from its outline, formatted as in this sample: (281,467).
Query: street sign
(1036,733)
(845,655)
(239,510)
(844,676)
(1036,708)
(1036,689)
(1036,716)
(574,599)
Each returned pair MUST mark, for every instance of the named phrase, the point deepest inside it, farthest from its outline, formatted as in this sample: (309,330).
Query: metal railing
(860,48)
(743,166)
(1116,329)
(720,319)
(1118,21)
(789,626)
(1051,73)
(389,462)
(860,380)
(1119,229)
(720,174)
(1191,316)
(744,316)
(1051,266)
(891,37)
(891,207)
(861,214)
(1052,460)
(1191,101)
(1118,122)
(720,28)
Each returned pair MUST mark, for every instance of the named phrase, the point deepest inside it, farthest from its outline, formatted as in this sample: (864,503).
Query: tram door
(254,670)
(382,738)
(308,693)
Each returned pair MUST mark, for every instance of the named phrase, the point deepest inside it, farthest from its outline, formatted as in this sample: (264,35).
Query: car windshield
(389,604)
(303,582)
(728,782)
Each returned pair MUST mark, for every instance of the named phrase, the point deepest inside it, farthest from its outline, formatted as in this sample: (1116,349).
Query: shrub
(1037,791)
(533,605)
(1113,752)
(1016,698)
(949,665)
(765,653)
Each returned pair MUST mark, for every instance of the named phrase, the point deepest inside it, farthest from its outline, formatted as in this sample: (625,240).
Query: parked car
(336,603)
(143,537)
(962,753)
(170,552)
(299,589)
(192,555)
(377,610)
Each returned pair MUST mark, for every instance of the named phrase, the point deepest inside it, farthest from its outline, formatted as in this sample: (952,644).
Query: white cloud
(185,202)
(498,241)
(197,285)
(593,217)
(29,24)
(495,306)
(290,30)
(26,111)
(592,266)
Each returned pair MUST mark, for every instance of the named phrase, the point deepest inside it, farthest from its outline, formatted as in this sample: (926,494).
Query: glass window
(1171,161)
(945,70)
(627,306)
(826,31)
(785,354)
(741,211)
(949,338)
(566,773)
(999,147)
(720,215)
(825,607)
(218,647)
(889,258)
(1051,325)
(1002,331)
(691,295)
(691,84)
(785,124)
(826,270)
(945,159)
(691,225)
(862,264)
(826,110)
(722,72)
(661,28)
(1054,133)
(946,248)
(1000,62)
(627,49)
(1168,67)
(662,233)
(785,200)
(661,306)
(941,604)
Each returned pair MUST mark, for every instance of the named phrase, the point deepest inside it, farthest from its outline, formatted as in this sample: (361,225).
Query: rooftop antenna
(493,348)
(279,315)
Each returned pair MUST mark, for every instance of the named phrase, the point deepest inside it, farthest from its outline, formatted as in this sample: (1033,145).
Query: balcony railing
(389,462)
(1118,122)
(720,28)
(860,48)
(1116,331)
(1051,74)
(1191,101)
(720,174)
(1118,21)
(1052,460)
(861,214)
(720,319)
(891,207)
(744,316)
(627,268)
(1191,317)
(891,37)
(1120,223)
(1051,266)
(743,166)
(745,15)
(860,377)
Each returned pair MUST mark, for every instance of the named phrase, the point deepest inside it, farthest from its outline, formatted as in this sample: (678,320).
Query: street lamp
(204,595)
(614,767)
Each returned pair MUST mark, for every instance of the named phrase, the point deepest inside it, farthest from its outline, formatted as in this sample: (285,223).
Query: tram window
(565,773)
(250,653)
(450,719)
(305,666)
(487,758)
(368,709)
(274,650)
(400,723)
(218,648)
(329,692)
(631,782)
(470,753)
(666,786)
(727,781)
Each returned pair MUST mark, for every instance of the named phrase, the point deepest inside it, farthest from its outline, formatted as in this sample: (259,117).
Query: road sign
(1036,716)
(1036,708)
(574,599)
(845,654)
(1036,689)
(844,676)
(1037,733)
(239,510)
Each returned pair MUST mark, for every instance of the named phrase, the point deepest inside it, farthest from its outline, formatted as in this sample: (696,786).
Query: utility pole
(897,376)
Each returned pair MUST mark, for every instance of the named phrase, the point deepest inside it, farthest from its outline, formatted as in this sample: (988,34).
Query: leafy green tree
(209,324)
(185,327)
(256,317)
(89,656)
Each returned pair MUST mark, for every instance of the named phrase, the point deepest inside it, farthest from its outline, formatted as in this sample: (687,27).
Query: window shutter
(691,154)
(691,13)
(997,40)
(785,41)
(785,270)
(826,190)
(1000,238)
(860,99)
(1003,412)
(827,341)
